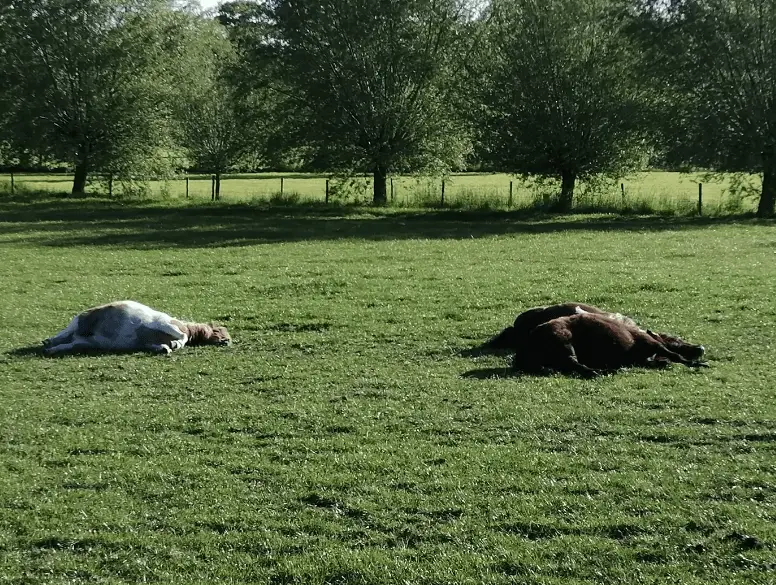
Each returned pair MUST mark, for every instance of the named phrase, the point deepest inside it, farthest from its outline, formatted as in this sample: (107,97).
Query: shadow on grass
(32,350)
(490,373)
(37,351)
(484,349)
(508,372)
(100,222)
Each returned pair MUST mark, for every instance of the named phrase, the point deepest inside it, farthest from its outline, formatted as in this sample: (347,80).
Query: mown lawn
(343,438)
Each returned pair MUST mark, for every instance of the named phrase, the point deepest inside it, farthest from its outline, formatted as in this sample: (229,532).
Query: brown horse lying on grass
(587,344)
(515,337)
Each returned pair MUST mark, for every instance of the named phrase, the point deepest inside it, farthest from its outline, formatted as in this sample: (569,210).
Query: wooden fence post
(11,182)
(391,189)
(110,185)
(327,191)
(509,201)
(622,190)
(443,192)
(281,186)
(700,198)
(187,187)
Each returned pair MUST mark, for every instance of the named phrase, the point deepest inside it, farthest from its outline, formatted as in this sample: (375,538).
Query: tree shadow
(98,222)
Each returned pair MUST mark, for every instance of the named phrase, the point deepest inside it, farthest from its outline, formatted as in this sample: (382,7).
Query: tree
(258,91)
(557,92)
(212,133)
(714,63)
(366,85)
(89,81)
(216,125)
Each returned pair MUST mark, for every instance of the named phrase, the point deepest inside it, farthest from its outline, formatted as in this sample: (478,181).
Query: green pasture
(344,438)
(664,192)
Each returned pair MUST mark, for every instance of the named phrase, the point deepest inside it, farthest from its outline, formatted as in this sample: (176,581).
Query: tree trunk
(767,204)
(380,176)
(218,186)
(79,181)
(568,178)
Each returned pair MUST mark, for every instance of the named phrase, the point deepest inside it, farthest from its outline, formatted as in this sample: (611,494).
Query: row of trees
(571,89)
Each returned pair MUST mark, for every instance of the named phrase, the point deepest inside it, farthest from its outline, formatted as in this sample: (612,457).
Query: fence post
(391,189)
(212,187)
(110,185)
(509,201)
(187,187)
(327,191)
(700,198)
(443,192)
(281,186)
(622,190)
(11,182)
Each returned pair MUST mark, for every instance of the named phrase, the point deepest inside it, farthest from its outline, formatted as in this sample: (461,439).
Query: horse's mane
(614,316)
(205,334)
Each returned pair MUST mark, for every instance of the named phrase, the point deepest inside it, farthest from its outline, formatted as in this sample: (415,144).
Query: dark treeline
(569,89)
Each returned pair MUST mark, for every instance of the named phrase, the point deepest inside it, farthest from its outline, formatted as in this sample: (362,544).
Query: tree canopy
(567,89)
(714,62)
(367,84)
(215,123)
(558,97)
(91,82)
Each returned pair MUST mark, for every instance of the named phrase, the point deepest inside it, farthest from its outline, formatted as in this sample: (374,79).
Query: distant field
(344,438)
(660,191)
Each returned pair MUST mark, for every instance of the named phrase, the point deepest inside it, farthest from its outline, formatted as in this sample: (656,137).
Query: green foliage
(216,121)
(247,22)
(285,198)
(558,93)
(92,82)
(6,154)
(344,188)
(367,85)
(211,129)
(256,88)
(714,65)
(343,439)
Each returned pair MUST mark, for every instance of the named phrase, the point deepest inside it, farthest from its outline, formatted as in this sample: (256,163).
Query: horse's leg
(168,330)
(161,348)
(78,344)
(568,362)
(161,337)
(663,352)
(64,336)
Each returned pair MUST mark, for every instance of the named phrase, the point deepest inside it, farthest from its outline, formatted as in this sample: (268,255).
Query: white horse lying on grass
(128,326)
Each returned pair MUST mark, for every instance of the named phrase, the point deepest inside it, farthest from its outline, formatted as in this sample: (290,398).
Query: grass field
(664,192)
(343,439)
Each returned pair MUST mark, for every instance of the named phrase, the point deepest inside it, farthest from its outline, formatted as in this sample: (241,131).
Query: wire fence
(670,192)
